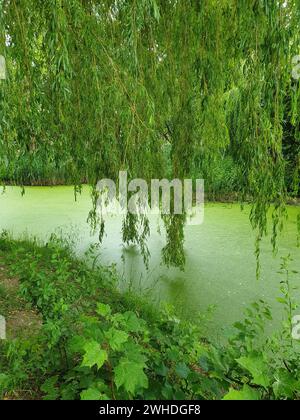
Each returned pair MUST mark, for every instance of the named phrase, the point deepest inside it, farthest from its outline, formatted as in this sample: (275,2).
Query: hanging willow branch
(98,86)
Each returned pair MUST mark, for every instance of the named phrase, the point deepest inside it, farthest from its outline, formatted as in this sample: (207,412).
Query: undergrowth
(96,343)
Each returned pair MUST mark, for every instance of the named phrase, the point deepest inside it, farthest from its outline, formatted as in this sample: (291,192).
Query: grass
(51,262)
(21,320)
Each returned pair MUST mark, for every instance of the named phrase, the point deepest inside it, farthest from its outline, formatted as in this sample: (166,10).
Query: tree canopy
(109,85)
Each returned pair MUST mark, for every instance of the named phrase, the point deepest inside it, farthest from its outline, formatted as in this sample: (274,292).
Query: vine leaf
(285,384)
(92,394)
(182,370)
(256,365)
(246,393)
(132,323)
(131,375)
(116,338)
(94,355)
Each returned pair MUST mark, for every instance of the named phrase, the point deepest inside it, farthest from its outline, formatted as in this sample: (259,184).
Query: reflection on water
(220,262)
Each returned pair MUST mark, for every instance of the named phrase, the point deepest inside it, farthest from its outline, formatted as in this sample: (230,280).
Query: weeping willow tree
(108,85)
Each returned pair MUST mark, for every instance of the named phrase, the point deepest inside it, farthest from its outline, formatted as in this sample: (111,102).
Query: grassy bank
(72,335)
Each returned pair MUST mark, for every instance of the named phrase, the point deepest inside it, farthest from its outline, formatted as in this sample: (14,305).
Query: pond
(220,261)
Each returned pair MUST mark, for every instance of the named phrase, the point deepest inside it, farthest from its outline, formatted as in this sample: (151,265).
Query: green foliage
(258,368)
(95,87)
(246,393)
(89,349)
(4,382)
(130,374)
(93,355)
(95,343)
(33,170)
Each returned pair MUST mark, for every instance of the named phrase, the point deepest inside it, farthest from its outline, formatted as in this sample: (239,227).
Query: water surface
(220,261)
